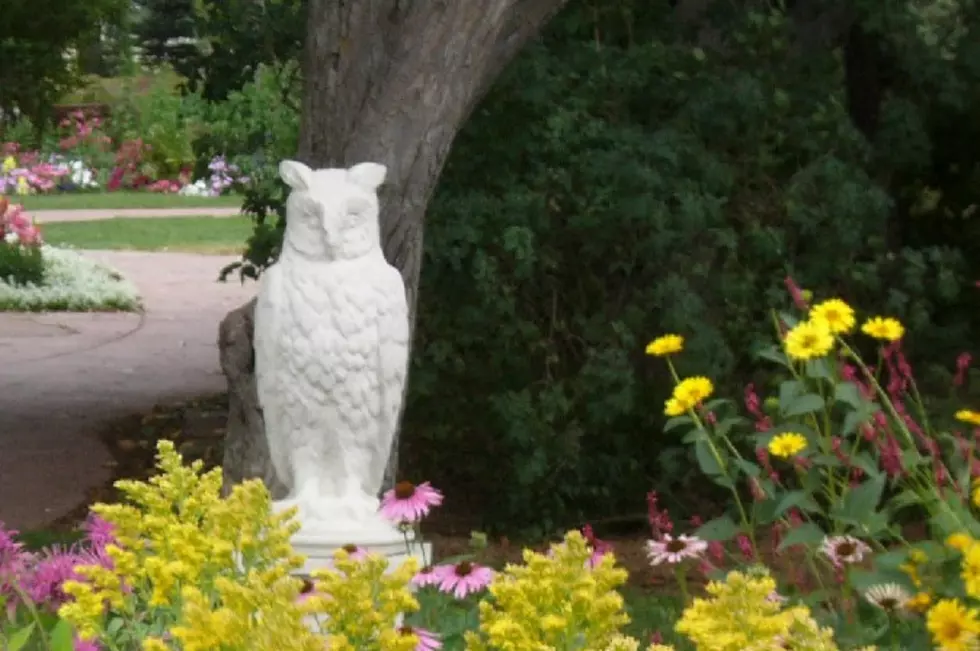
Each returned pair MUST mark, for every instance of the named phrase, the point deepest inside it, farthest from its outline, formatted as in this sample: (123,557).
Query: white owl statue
(331,352)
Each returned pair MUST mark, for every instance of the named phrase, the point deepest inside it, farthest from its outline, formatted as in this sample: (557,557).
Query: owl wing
(269,381)
(393,357)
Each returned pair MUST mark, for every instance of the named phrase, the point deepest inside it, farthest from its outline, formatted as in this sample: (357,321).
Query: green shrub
(21,265)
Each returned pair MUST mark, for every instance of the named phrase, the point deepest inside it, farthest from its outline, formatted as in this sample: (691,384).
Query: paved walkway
(64,376)
(48,216)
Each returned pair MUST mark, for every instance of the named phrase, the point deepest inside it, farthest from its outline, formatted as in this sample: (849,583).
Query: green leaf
(773,354)
(807,533)
(858,417)
(676,422)
(706,459)
(867,464)
(848,393)
(18,640)
(819,368)
(808,403)
(721,528)
(798,499)
(62,637)
(726,424)
(788,391)
(862,502)
(749,468)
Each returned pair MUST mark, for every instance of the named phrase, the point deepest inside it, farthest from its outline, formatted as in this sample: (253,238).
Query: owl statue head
(332,214)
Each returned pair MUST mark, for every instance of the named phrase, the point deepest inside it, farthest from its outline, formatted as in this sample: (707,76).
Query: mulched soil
(197,429)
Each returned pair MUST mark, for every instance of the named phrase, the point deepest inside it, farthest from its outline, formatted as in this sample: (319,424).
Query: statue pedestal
(319,550)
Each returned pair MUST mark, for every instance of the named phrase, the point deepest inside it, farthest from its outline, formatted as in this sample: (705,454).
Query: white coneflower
(672,550)
(843,550)
(890,597)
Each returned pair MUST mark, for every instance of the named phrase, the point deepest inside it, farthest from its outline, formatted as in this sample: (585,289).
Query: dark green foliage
(237,36)
(620,184)
(21,265)
(33,39)
(634,174)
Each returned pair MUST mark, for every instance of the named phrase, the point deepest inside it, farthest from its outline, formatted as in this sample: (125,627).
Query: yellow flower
(554,601)
(959,541)
(809,340)
(835,314)
(693,390)
(740,614)
(9,163)
(969,417)
(665,345)
(787,445)
(953,626)
(22,186)
(971,571)
(919,603)
(885,328)
(673,407)
(975,495)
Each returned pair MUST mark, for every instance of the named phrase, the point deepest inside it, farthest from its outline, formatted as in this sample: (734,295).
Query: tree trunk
(387,81)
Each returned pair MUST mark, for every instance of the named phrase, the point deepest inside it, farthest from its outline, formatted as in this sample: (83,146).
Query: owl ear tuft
(368,175)
(295,174)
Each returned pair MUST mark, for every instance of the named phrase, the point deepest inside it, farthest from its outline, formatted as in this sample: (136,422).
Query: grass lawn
(216,235)
(114,200)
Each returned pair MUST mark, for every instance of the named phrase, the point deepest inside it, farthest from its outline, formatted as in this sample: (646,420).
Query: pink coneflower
(407,502)
(672,550)
(599,547)
(428,641)
(465,578)
(429,575)
(843,550)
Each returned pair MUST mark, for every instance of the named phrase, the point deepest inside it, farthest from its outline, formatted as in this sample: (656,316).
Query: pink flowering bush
(21,261)
(31,588)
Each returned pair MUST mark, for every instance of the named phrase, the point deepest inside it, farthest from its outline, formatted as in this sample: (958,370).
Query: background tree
(389,82)
(34,41)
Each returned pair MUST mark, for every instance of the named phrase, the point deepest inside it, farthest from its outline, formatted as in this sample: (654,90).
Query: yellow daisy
(837,315)
(969,417)
(919,603)
(975,493)
(954,627)
(674,407)
(959,541)
(883,327)
(693,390)
(665,345)
(809,340)
(970,571)
(787,444)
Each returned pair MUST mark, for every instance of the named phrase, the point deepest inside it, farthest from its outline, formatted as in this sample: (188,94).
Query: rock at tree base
(246,454)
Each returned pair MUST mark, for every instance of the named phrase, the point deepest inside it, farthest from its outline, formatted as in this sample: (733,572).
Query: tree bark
(392,82)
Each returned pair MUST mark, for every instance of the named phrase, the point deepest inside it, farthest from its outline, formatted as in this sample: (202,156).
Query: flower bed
(35,277)
(818,477)
(84,158)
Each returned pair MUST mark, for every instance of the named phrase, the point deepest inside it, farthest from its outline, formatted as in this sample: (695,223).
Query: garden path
(63,377)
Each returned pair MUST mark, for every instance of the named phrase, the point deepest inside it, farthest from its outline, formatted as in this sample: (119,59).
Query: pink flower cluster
(39,576)
(405,505)
(16,226)
(31,174)
(80,131)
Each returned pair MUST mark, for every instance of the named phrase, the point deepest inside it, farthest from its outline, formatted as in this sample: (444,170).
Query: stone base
(319,553)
